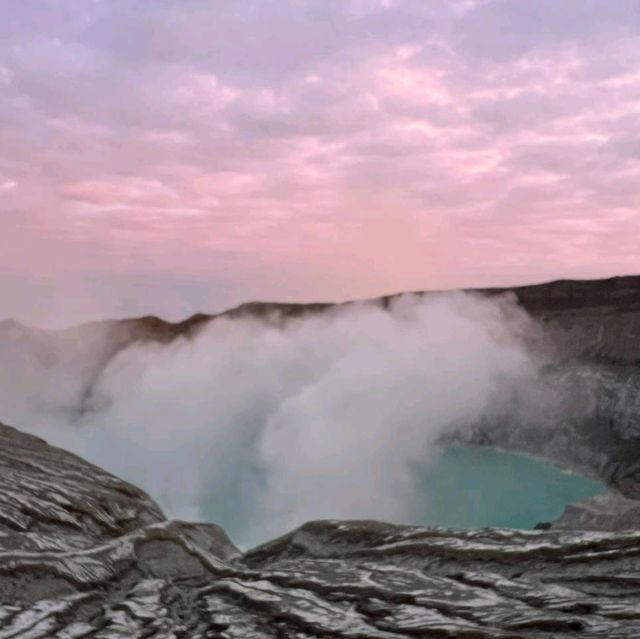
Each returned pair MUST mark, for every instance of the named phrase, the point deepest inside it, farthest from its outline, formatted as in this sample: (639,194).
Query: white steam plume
(260,427)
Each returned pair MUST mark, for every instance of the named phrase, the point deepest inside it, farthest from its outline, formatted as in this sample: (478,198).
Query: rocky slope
(83,554)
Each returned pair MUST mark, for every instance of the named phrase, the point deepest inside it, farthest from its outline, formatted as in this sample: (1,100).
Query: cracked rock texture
(83,554)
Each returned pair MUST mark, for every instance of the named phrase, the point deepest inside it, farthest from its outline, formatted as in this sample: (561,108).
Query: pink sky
(173,156)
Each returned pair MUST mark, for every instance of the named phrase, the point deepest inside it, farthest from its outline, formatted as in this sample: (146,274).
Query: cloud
(198,139)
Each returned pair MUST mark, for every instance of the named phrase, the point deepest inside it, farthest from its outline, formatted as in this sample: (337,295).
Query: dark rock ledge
(83,554)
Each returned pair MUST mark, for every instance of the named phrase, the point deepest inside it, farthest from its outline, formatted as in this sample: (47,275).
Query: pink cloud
(119,191)
(319,150)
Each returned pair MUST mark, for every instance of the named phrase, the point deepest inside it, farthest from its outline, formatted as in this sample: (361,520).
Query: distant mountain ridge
(595,318)
(622,292)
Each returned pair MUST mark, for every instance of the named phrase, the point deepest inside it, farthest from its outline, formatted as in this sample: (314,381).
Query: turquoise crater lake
(477,487)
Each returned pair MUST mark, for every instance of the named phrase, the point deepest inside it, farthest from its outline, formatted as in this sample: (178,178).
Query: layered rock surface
(83,554)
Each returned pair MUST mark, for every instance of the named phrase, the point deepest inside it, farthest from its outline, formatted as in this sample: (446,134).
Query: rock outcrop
(83,554)
(583,415)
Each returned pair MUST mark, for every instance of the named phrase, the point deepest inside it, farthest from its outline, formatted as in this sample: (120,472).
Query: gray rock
(83,554)
(583,416)
(47,494)
(601,512)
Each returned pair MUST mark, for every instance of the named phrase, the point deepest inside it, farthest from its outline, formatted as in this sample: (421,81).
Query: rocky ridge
(582,318)
(83,554)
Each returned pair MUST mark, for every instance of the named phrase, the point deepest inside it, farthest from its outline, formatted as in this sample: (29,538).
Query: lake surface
(458,486)
(477,487)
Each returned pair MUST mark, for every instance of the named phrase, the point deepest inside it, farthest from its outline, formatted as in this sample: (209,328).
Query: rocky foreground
(83,554)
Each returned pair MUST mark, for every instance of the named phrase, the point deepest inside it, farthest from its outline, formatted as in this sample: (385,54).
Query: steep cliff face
(83,554)
(584,415)
(596,319)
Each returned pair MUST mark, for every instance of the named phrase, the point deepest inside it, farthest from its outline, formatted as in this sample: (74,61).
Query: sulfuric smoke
(261,426)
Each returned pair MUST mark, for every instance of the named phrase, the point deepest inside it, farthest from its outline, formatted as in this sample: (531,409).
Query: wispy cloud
(306,149)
